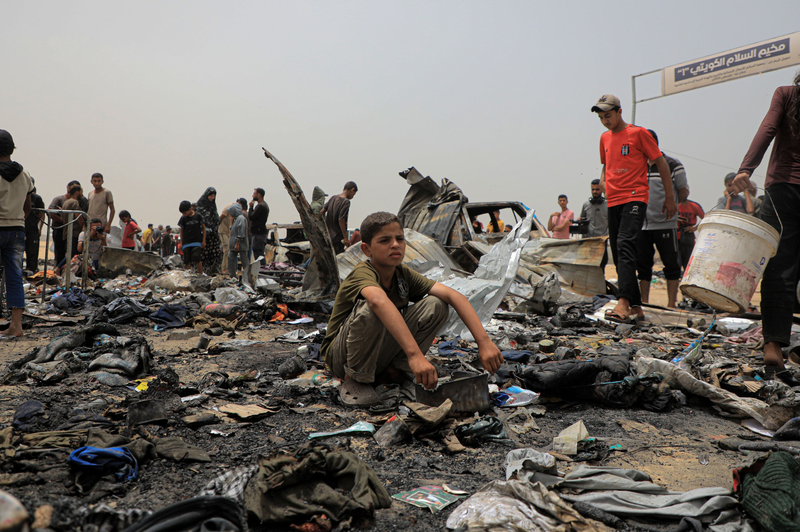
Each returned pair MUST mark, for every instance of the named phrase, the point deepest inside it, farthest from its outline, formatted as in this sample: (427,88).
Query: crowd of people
(209,241)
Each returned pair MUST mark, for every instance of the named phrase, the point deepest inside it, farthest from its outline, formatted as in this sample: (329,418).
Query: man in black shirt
(258,213)
(33,230)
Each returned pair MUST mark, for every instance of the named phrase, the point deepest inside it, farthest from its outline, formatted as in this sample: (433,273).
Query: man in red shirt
(625,150)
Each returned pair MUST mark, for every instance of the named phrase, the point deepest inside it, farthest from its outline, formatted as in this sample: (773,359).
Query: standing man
(336,212)
(258,214)
(57,223)
(168,244)
(147,238)
(624,152)
(559,222)
(689,214)
(33,231)
(101,203)
(660,231)
(72,203)
(157,233)
(16,187)
(595,211)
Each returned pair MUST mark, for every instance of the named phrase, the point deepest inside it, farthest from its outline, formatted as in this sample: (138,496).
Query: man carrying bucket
(779,210)
(661,232)
(624,151)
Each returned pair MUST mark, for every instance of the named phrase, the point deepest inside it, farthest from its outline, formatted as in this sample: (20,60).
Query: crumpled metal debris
(487,287)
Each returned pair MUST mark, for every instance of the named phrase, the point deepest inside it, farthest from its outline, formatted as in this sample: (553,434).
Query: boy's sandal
(354,393)
(783,375)
(616,316)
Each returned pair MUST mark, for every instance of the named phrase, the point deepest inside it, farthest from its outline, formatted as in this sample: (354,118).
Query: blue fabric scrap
(117,460)
(517,356)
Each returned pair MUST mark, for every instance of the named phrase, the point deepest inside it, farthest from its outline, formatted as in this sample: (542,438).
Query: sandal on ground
(783,375)
(354,393)
(617,316)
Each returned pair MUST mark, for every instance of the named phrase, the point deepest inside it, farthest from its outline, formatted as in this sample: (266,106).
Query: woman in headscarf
(207,209)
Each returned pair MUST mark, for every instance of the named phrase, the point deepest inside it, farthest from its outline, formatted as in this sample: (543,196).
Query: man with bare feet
(15,189)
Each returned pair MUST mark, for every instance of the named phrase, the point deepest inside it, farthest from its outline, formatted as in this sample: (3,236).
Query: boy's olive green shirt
(407,285)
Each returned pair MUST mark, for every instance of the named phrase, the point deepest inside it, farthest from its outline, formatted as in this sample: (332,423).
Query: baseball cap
(606,102)
(6,140)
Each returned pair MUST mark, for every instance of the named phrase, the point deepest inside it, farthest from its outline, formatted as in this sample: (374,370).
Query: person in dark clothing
(168,243)
(33,231)
(57,223)
(336,212)
(212,251)
(779,210)
(258,214)
(193,236)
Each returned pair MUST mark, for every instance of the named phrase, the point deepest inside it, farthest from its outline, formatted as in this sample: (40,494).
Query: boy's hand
(424,371)
(490,356)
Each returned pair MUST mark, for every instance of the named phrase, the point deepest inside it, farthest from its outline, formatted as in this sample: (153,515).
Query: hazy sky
(167,98)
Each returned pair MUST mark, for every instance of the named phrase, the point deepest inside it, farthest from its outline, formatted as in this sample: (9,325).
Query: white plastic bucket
(728,261)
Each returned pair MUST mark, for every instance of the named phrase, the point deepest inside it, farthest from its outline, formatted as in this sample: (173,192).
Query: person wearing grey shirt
(661,232)
(595,211)
(238,244)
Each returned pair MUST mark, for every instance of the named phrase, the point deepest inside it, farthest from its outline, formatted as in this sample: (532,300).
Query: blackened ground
(676,448)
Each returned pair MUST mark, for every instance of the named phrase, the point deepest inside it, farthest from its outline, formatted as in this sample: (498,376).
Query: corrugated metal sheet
(419,248)
(581,252)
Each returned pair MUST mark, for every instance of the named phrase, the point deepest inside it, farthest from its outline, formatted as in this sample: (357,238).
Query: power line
(725,166)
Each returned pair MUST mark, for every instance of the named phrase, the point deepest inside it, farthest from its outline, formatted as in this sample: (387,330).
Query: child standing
(193,236)
(624,151)
(130,230)
(374,334)
(238,247)
(101,203)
